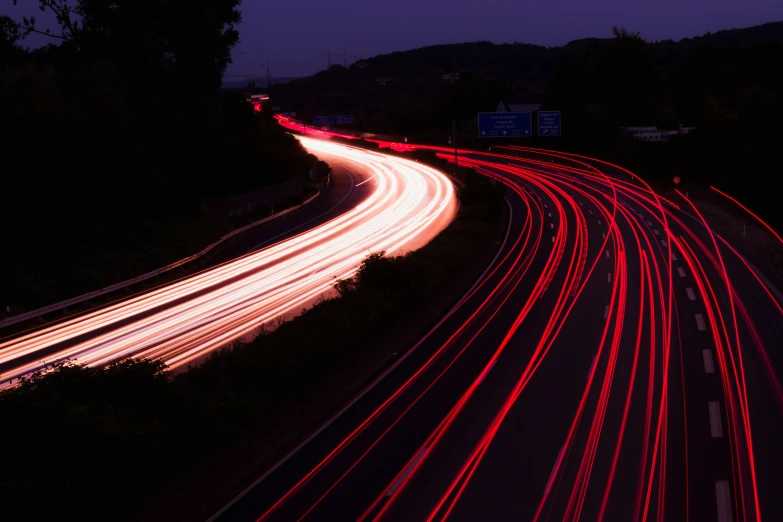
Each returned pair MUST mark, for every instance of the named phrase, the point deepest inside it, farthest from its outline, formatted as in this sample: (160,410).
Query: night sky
(294,34)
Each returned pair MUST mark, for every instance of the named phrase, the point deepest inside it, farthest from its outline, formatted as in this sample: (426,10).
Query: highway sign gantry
(549,123)
(504,124)
(323,120)
(344,119)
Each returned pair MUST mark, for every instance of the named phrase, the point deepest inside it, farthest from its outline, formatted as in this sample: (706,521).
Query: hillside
(489,72)
(726,84)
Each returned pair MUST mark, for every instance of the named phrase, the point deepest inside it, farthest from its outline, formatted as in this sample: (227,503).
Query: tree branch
(29,30)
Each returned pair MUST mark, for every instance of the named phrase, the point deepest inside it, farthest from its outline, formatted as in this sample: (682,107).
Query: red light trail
(599,276)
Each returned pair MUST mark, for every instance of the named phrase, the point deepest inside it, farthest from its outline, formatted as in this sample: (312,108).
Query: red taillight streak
(523,267)
(435,437)
(740,382)
(426,365)
(724,354)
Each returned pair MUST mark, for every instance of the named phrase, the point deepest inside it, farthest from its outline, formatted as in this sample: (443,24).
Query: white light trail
(181,322)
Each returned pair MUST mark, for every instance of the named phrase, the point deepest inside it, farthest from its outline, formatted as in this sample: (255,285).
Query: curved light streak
(409,204)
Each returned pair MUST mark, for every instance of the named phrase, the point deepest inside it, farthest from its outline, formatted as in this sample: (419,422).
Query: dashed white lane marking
(664,243)
(655,231)
(551,225)
(484,376)
(691,294)
(650,223)
(581,203)
(606,311)
(700,324)
(709,363)
(681,271)
(599,222)
(553,239)
(401,479)
(607,254)
(723,497)
(590,211)
(550,214)
(603,235)
(609,277)
(545,206)
(716,427)
(674,256)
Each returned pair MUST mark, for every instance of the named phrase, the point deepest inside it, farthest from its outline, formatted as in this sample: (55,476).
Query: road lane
(492,417)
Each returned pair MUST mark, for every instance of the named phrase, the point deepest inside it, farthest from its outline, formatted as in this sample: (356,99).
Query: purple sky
(293,34)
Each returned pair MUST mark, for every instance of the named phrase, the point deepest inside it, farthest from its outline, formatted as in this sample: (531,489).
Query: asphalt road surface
(617,361)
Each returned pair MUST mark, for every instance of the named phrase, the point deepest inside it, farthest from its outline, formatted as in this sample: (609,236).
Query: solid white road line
(681,271)
(691,294)
(709,364)
(397,483)
(723,497)
(716,427)
(700,322)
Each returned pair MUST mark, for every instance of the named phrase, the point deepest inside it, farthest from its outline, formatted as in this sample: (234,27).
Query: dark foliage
(124,432)
(116,137)
(727,84)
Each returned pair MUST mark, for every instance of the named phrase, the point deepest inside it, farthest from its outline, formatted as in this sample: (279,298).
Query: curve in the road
(408,204)
(614,364)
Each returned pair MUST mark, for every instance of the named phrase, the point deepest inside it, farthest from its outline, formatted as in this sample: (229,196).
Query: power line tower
(328,58)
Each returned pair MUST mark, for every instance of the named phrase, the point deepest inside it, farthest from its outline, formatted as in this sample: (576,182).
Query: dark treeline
(728,85)
(115,135)
(104,443)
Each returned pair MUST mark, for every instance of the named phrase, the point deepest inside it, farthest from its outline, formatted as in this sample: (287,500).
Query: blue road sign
(344,119)
(504,124)
(549,123)
(323,120)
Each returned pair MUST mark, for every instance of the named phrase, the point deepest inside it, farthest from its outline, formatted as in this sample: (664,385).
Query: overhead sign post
(323,120)
(504,124)
(549,123)
(344,119)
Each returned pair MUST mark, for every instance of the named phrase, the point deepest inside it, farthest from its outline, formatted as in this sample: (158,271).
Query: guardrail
(119,286)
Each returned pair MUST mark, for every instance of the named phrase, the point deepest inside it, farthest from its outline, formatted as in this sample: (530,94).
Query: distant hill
(416,96)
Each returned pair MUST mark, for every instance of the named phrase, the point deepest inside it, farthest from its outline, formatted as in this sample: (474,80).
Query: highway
(397,206)
(618,361)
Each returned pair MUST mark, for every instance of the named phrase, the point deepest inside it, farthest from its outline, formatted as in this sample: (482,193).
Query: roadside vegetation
(132,441)
(117,137)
